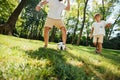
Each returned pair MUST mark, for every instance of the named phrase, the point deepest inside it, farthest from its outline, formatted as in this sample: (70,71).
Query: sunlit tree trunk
(87,32)
(75,29)
(103,10)
(83,22)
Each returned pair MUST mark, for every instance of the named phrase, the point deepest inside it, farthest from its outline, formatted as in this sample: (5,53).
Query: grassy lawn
(22,59)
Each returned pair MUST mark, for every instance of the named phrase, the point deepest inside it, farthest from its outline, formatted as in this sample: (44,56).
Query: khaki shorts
(54,22)
(100,38)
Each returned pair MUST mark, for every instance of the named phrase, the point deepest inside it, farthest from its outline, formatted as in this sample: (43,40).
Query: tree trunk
(10,24)
(103,12)
(87,31)
(1,28)
(75,29)
(84,17)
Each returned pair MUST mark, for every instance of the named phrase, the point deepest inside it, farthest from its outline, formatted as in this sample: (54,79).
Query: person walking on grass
(98,32)
(54,17)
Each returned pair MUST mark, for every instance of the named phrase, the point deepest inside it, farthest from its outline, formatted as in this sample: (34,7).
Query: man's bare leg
(46,35)
(64,36)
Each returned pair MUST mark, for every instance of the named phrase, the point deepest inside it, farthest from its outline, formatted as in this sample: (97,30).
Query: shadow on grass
(61,70)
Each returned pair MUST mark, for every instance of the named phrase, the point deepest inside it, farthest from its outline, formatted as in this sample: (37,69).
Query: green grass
(22,59)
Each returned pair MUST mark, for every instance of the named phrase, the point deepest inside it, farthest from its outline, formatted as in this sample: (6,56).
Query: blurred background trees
(19,18)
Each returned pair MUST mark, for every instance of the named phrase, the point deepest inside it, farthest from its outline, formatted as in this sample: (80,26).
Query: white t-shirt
(55,9)
(99,28)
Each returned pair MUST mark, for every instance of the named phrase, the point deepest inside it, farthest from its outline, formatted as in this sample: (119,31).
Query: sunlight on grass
(22,59)
(99,62)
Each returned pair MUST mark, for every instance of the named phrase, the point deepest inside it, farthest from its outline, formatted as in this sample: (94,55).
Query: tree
(76,26)
(6,8)
(103,9)
(83,22)
(10,24)
(33,21)
(111,29)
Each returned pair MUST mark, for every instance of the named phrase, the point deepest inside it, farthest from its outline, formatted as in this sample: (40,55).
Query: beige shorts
(54,22)
(100,38)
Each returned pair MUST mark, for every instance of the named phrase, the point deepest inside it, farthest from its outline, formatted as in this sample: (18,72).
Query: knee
(99,43)
(94,44)
(47,29)
(63,29)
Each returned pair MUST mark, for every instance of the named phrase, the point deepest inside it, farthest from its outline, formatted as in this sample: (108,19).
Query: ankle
(45,46)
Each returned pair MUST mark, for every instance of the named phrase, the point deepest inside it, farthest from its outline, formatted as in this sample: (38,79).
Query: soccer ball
(61,46)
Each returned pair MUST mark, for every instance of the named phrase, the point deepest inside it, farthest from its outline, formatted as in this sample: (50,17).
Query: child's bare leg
(99,47)
(94,44)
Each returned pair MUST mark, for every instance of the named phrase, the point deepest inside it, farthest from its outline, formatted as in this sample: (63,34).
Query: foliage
(114,42)
(30,22)
(6,9)
(33,21)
